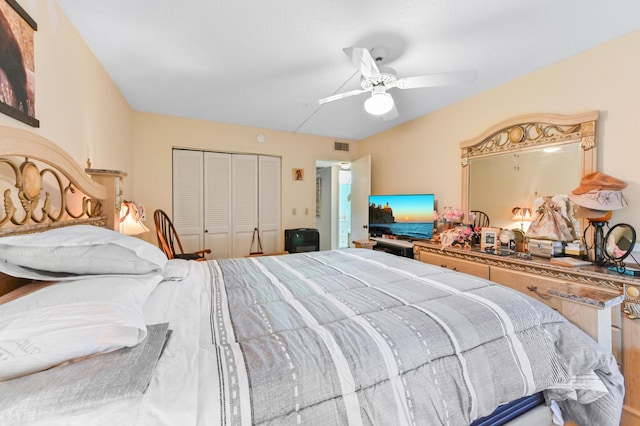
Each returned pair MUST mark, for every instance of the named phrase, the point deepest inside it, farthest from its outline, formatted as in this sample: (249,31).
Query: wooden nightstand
(365,244)
(112,179)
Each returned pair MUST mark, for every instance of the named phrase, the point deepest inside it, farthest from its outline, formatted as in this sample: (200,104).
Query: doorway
(342,191)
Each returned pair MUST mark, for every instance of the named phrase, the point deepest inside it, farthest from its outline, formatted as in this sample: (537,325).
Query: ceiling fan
(378,80)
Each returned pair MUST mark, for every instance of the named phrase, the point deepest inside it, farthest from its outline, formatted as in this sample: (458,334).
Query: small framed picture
(489,238)
(297,174)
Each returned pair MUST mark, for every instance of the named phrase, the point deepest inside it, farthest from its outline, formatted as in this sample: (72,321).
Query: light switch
(294,211)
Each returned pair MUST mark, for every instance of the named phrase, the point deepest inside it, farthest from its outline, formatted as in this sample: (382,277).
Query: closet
(220,198)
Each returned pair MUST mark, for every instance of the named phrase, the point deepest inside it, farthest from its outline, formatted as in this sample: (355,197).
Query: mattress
(391,341)
(368,338)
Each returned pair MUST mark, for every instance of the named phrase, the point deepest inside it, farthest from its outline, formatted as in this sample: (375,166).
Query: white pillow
(74,251)
(73,319)
(176,269)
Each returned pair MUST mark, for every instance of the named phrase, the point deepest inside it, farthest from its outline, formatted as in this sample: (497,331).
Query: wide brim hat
(599,200)
(597,181)
(593,215)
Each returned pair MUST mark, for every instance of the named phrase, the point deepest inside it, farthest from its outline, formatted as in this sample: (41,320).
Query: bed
(100,328)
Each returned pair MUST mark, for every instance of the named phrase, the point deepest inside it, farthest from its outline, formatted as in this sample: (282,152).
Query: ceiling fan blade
(391,115)
(341,95)
(440,79)
(362,59)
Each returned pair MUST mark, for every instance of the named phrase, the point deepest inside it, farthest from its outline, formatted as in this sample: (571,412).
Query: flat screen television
(402,216)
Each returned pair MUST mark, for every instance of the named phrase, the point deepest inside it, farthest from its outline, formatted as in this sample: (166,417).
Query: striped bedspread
(360,337)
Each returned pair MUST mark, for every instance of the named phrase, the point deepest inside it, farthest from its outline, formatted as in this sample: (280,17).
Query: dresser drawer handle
(534,289)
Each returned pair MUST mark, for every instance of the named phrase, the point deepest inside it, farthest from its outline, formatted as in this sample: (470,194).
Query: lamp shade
(379,103)
(131,214)
(521,214)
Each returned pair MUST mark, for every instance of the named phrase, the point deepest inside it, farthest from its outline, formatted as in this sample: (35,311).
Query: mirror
(516,161)
(524,176)
(620,241)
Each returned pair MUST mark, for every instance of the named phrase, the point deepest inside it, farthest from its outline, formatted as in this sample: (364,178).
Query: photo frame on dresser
(17,63)
(489,239)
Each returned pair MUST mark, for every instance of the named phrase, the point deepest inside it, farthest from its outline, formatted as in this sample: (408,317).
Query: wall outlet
(306,211)
(294,211)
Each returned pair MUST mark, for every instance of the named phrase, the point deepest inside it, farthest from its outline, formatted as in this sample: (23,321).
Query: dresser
(599,301)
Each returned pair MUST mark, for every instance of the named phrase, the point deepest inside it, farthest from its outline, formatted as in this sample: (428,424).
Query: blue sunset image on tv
(406,216)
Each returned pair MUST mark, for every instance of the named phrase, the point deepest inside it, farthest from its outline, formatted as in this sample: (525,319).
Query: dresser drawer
(526,283)
(460,265)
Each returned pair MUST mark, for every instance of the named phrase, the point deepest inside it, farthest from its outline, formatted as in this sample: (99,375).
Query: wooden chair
(168,239)
(481,220)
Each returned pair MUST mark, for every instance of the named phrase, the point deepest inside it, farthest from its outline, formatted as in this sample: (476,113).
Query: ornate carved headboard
(43,187)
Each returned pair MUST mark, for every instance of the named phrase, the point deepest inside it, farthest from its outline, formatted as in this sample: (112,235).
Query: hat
(592,215)
(600,200)
(597,181)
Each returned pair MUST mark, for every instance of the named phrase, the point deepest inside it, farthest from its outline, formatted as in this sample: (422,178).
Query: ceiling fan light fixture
(379,103)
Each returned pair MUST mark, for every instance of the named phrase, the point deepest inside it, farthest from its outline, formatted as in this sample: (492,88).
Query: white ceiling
(266,63)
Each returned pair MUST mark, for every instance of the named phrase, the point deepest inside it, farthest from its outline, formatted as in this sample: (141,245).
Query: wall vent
(341,146)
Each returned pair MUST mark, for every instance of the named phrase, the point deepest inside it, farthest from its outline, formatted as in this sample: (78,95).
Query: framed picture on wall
(17,64)
(297,174)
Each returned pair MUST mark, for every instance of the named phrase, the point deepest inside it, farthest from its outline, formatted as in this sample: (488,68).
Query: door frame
(332,233)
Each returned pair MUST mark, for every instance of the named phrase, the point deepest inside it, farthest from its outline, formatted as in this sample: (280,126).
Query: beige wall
(78,105)
(81,109)
(423,155)
(156,135)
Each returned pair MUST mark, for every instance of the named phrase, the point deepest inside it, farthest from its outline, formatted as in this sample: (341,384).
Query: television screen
(405,216)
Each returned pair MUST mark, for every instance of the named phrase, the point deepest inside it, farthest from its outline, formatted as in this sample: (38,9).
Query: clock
(507,239)
(506,236)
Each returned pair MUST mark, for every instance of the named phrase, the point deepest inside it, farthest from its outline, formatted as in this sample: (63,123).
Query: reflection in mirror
(620,241)
(520,159)
(499,182)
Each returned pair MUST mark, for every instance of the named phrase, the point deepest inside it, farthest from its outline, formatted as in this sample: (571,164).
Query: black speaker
(301,240)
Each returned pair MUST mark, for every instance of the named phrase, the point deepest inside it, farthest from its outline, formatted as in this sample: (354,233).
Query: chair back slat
(481,220)
(168,239)
(169,242)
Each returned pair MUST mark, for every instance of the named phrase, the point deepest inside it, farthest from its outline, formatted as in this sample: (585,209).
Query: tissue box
(546,248)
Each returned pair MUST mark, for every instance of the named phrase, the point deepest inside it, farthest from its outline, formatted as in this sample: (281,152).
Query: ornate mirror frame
(527,132)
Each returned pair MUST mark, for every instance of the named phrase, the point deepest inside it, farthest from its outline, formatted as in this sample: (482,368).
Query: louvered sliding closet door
(244,172)
(217,200)
(269,203)
(188,198)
